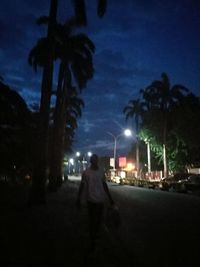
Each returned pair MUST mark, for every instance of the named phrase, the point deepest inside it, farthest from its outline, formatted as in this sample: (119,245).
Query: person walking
(93,185)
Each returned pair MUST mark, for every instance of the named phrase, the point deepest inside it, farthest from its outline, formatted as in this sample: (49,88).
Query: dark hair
(94,156)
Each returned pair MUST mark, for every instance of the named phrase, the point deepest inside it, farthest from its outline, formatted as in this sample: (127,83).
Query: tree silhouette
(62,136)
(37,195)
(134,110)
(75,54)
(16,132)
(160,97)
(80,10)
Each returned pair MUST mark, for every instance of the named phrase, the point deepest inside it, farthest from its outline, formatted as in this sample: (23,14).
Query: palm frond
(42,20)
(38,54)
(101,8)
(80,12)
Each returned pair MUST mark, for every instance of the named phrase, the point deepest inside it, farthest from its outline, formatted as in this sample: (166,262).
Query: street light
(127,133)
(85,159)
(78,154)
(71,165)
(89,154)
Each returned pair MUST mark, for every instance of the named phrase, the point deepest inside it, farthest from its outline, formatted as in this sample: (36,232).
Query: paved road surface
(158,229)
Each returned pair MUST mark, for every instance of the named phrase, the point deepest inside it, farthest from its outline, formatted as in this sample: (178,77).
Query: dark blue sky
(135,42)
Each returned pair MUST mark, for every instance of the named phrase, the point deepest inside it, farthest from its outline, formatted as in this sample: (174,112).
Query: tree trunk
(56,167)
(56,133)
(37,195)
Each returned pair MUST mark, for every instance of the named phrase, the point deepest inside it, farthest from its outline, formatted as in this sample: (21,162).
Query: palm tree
(65,122)
(75,54)
(40,170)
(134,110)
(160,98)
(80,10)
(37,195)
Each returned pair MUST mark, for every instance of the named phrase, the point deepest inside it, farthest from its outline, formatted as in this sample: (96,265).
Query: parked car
(191,183)
(173,181)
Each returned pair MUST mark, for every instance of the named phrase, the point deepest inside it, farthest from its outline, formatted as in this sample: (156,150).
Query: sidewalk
(54,234)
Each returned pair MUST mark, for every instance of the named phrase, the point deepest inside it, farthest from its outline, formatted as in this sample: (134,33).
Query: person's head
(94,161)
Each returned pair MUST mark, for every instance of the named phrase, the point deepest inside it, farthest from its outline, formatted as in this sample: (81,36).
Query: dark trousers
(95,215)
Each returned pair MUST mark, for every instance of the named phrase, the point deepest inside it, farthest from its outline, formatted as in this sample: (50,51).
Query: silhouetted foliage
(80,10)
(170,116)
(41,164)
(16,133)
(74,51)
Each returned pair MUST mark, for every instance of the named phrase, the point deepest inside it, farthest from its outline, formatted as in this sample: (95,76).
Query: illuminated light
(89,154)
(123,174)
(71,161)
(130,166)
(116,179)
(122,162)
(112,163)
(128,132)
(78,154)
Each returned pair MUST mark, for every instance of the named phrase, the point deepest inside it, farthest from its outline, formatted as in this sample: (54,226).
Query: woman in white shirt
(93,183)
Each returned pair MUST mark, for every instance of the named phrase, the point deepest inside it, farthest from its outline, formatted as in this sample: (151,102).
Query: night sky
(135,42)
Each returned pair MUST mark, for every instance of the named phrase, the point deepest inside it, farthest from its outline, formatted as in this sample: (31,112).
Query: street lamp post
(148,156)
(164,160)
(126,132)
(78,165)
(115,147)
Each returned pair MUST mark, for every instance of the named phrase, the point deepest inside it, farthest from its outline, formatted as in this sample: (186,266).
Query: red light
(122,162)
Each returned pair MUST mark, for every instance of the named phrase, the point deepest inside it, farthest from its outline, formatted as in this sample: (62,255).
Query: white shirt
(93,183)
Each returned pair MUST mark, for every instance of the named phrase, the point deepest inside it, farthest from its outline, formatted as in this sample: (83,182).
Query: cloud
(101,144)
(86,125)
(135,42)
(32,97)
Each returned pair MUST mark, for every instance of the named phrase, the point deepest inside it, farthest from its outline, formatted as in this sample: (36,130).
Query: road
(158,228)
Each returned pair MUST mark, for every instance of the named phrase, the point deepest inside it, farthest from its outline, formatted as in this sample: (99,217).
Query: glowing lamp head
(127,132)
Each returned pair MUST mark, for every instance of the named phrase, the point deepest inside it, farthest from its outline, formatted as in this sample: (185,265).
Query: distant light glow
(123,174)
(71,161)
(78,154)
(130,166)
(127,132)
(89,154)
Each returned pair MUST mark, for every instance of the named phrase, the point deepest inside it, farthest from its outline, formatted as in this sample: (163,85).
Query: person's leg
(98,218)
(95,213)
(91,217)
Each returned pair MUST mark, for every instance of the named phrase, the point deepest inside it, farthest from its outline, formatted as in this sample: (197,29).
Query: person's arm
(105,186)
